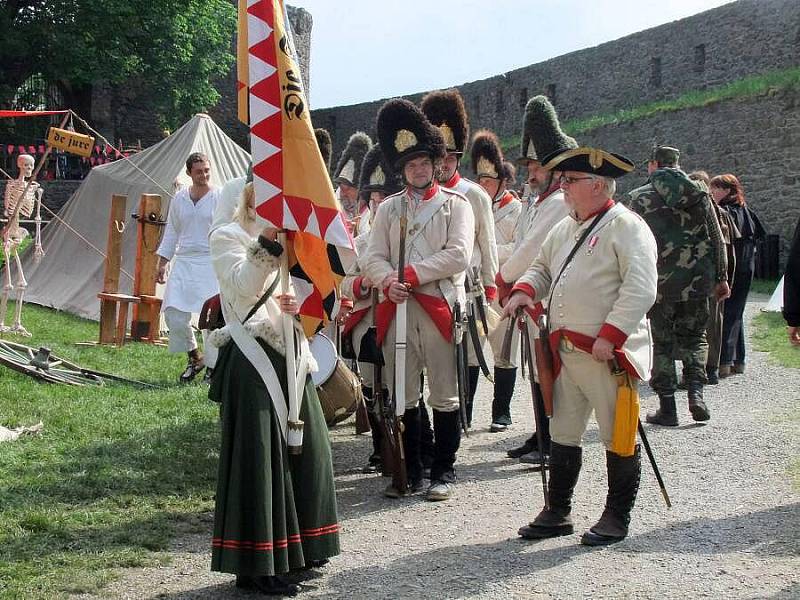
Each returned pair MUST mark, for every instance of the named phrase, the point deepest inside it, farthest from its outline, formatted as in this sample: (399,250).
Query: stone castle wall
(703,51)
(756,138)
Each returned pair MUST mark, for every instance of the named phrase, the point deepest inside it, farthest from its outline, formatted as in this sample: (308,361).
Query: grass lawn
(769,335)
(115,474)
(25,243)
(764,286)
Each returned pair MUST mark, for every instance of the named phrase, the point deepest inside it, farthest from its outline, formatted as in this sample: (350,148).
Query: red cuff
(410,276)
(498,280)
(524,287)
(613,335)
(535,312)
(358,292)
(491,293)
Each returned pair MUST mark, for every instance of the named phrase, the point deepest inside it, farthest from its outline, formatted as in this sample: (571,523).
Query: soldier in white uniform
(347,172)
(541,135)
(598,312)
(445,110)
(438,249)
(185,244)
(377,182)
(495,174)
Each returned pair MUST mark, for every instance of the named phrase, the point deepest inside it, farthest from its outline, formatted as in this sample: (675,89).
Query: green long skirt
(274,511)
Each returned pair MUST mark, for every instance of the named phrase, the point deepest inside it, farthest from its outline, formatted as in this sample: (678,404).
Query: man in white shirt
(191,279)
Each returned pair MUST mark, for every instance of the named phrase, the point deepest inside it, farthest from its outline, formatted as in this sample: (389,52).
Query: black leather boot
(624,473)
(529,446)
(374,460)
(473,374)
(425,440)
(666,414)
(553,521)
(697,407)
(447,439)
(504,380)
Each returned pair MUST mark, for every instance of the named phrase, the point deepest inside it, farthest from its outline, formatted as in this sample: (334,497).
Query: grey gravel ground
(732,532)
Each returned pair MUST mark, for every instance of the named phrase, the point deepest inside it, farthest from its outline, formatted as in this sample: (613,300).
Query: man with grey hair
(597,268)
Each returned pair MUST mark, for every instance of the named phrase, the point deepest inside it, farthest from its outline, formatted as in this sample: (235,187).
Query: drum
(338,388)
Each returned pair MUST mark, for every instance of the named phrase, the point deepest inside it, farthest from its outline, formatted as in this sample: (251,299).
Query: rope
(88,243)
(81,237)
(109,144)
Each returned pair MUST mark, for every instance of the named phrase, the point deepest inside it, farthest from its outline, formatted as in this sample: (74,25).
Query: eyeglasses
(563,179)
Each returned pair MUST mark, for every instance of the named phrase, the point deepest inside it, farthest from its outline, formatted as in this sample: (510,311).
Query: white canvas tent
(70,276)
(775,303)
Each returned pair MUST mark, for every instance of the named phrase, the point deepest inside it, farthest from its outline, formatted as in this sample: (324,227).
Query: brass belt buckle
(566,345)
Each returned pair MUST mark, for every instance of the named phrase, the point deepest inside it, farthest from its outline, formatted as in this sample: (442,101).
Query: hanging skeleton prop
(28,194)
(22,196)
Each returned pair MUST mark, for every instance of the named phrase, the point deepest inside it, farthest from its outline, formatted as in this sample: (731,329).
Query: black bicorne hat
(325,146)
(445,110)
(541,131)
(589,160)
(377,175)
(348,169)
(404,133)
(486,155)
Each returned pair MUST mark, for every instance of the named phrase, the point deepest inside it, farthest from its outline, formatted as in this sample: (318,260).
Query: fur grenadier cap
(487,156)
(541,131)
(510,171)
(445,110)
(589,160)
(404,133)
(348,169)
(377,175)
(325,146)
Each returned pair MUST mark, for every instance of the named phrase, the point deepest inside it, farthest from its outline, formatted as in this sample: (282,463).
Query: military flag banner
(291,184)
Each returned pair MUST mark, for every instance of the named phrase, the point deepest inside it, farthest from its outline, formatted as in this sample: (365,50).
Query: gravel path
(732,532)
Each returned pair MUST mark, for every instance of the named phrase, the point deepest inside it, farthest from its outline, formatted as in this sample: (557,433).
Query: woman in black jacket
(728,193)
(791,289)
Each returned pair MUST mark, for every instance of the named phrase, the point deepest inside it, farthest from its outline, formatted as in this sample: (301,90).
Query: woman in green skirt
(275,512)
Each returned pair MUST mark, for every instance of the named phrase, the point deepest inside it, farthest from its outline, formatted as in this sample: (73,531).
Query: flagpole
(294,431)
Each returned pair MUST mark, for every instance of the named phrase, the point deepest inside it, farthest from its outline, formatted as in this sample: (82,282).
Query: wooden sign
(69,141)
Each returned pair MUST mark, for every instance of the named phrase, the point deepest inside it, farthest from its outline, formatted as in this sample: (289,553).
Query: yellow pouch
(626,416)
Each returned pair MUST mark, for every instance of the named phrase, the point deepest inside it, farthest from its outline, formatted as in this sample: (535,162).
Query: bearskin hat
(377,175)
(325,146)
(404,133)
(445,110)
(348,169)
(541,131)
(486,155)
(510,171)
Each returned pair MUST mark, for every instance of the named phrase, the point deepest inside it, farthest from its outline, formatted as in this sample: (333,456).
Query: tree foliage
(172,49)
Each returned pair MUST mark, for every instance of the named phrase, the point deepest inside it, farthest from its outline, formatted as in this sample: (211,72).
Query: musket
(392,417)
(462,381)
(537,417)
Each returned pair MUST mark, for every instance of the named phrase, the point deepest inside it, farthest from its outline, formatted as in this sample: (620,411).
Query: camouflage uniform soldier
(691,266)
